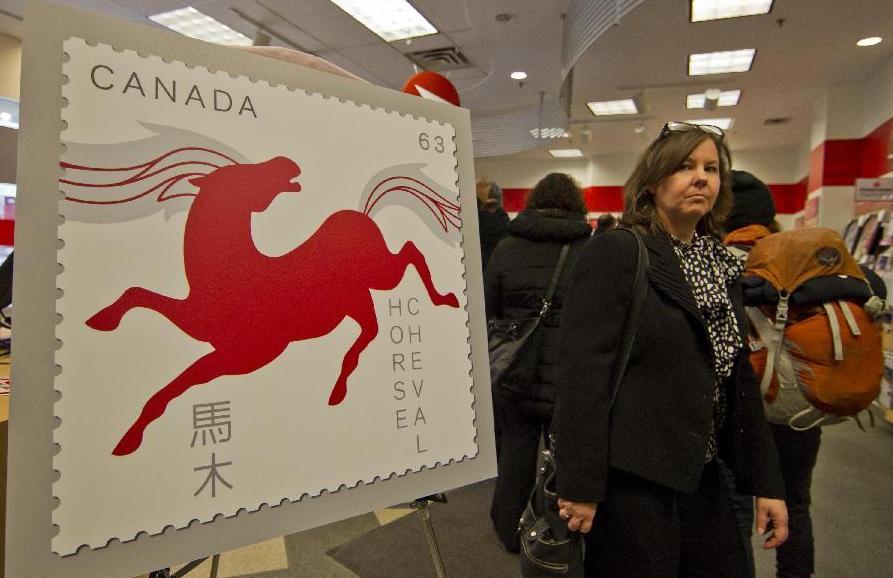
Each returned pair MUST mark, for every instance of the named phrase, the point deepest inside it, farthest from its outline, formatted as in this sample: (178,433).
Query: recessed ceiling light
(390,19)
(9,113)
(870,41)
(721,62)
(723,123)
(549,133)
(519,75)
(6,121)
(566,153)
(703,10)
(194,24)
(609,107)
(726,98)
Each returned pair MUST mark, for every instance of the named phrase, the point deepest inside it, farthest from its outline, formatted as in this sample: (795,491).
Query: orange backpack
(813,342)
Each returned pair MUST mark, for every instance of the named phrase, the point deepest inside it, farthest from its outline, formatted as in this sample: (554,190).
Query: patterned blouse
(710,269)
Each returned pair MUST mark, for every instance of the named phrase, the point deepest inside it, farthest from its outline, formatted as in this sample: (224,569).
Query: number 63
(425,142)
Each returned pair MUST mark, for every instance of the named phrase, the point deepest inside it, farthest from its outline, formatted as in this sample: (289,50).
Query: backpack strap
(835,331)
(812,417)
(738,253)
(771,335)
(850,319)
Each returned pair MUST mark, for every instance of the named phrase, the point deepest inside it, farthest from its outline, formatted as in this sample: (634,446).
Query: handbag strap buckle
(547,304)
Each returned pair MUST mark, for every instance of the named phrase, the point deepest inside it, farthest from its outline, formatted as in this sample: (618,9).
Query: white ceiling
(802,47)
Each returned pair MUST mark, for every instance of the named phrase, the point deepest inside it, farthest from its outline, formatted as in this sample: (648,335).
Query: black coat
(517,277)
(663,413)
(493,226)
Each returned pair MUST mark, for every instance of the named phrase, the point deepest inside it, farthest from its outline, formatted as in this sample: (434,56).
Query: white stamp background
(286,441)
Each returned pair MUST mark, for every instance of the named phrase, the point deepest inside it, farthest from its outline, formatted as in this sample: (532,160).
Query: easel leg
(421,506)
(166,572)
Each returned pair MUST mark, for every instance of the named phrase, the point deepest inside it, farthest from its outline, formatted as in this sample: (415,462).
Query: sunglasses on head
(672,127)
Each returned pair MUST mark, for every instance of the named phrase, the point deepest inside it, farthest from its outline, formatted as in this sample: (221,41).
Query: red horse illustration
(303,294)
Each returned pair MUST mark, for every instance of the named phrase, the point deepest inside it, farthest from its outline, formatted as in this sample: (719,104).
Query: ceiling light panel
(390,19)
(566,153)
(723,123)
(726,98)
(190,22)
(9,113)
(549,133)
(870,41)
(611,107)
(703,10)
(721,62)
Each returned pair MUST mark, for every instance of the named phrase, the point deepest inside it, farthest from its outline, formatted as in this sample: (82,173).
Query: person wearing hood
(753,212)
(515,283)
(753,218)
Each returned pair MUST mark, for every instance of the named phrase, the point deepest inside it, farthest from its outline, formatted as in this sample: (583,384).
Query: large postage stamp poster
(261,297)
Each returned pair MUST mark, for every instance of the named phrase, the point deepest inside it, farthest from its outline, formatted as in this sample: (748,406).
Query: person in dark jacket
(753,218)
(493,221)
(515,283)
(648,465)
(605,223)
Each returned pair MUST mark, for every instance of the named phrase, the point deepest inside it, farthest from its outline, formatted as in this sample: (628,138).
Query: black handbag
(512,342)
(548,548)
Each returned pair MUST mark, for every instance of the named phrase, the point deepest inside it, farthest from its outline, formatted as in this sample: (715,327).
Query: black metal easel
(421,506)
(166,572)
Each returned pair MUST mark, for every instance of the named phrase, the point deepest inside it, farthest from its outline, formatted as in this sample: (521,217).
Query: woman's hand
(581,515)
(776,512)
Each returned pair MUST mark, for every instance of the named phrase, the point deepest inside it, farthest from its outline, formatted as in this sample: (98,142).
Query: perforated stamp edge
(57,449)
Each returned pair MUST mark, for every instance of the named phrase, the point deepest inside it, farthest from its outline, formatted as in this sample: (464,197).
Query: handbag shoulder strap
(628,336)
(553,284)
(630,327)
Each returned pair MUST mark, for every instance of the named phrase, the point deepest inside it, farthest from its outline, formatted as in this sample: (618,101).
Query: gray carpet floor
(852,514)
(467,543)
(852,505)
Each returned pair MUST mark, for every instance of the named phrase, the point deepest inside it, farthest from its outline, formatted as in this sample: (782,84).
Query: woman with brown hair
(516,280)
(642,474)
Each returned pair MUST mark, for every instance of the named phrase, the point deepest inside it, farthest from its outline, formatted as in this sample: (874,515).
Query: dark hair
(752,202)
(661,159)
(605,222)
(557,191)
